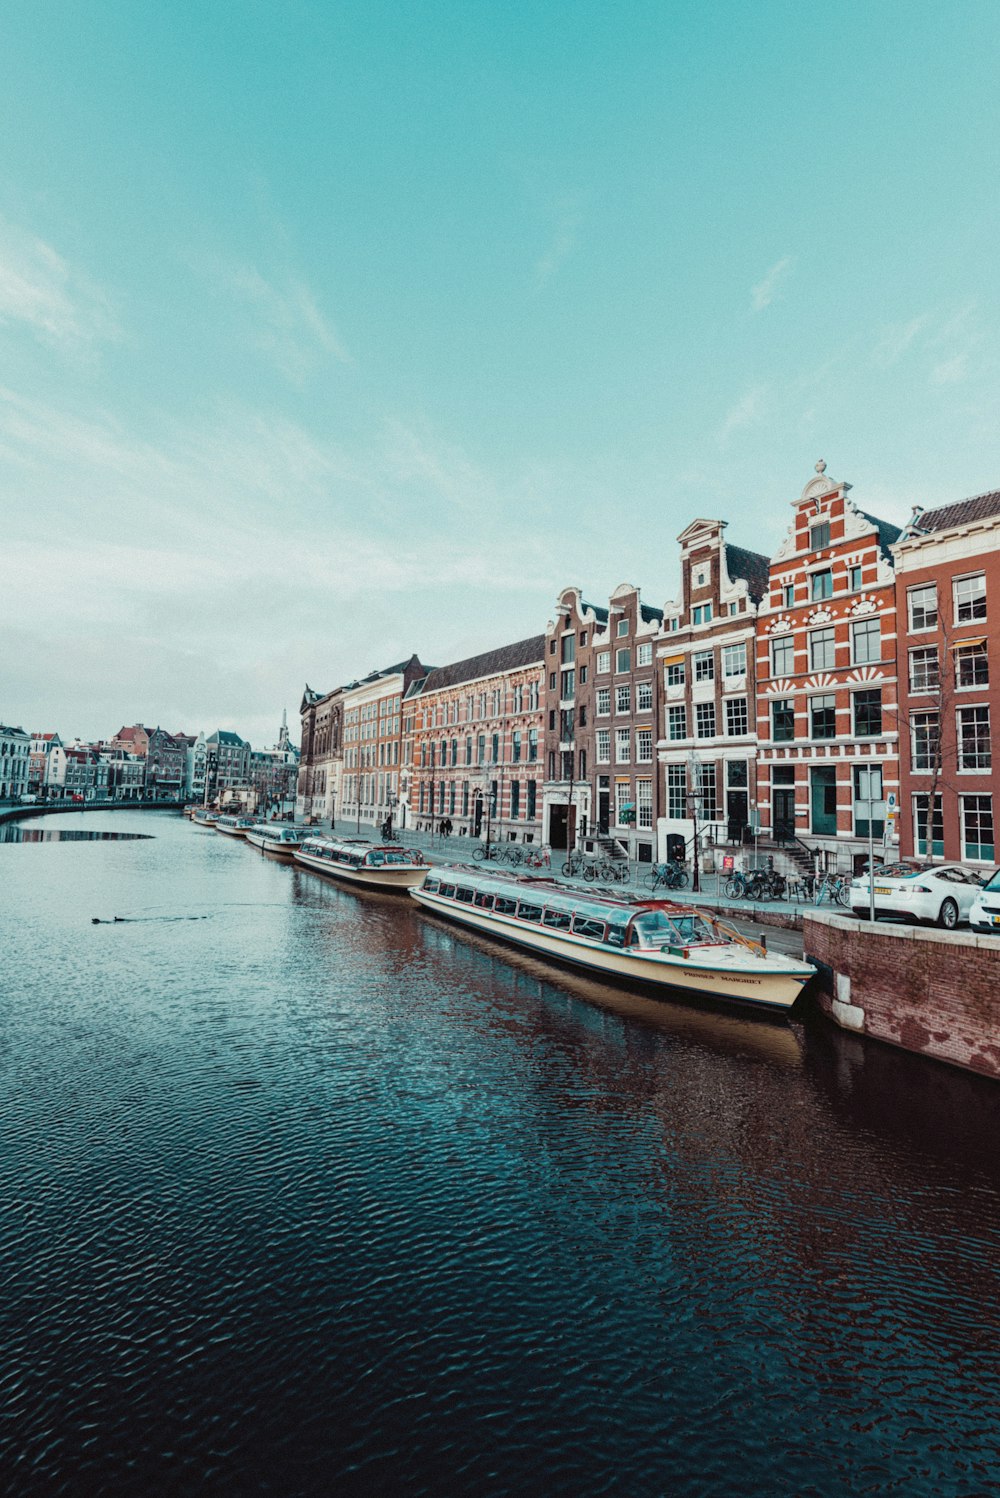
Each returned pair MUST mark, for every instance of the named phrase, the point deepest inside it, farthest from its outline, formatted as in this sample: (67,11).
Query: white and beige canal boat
(358,862)
(276,839)
(202,817)
(234,826)
(657,943)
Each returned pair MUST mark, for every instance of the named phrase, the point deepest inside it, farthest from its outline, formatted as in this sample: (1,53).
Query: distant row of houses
(140,763)
(838,691)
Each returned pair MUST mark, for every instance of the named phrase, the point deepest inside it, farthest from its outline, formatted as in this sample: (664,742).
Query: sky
(331,332)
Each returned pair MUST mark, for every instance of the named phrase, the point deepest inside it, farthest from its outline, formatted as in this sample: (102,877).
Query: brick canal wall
(933,992)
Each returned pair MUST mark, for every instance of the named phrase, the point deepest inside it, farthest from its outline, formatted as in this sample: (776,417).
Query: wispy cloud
(764,293)
(746,412)
(950,371)
(288,324)
(41,291)
(567,214)
(897,340)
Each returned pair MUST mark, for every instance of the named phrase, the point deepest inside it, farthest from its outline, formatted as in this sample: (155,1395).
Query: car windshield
(902,870)
(994,883)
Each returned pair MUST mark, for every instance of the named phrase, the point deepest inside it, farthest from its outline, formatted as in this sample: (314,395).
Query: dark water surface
(304,1194)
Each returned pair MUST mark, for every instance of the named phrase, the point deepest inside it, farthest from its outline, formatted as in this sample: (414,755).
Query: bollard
(763,940)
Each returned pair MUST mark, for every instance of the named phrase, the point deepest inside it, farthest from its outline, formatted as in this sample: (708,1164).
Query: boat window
(529,912)
(616,935)
(448,891)
(432,885)
(464,895)
(376,859)
(395,858)
(485,902)
(584,927)
(557,919)
(504,906)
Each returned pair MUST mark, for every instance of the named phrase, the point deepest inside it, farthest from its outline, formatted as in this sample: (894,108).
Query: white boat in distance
(234,826)
(202,817)
(358,862)
(277,839)
(659,943)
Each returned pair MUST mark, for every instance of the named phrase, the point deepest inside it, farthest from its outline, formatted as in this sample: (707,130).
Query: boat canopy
(357,854)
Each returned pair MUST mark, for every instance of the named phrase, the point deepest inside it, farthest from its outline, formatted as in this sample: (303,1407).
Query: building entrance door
(562,826)
(478,823)
(737,815)
(784,814)
(603,805)
(824,800)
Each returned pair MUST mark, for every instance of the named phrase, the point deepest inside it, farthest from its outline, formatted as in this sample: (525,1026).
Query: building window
(821,585)
(677,792)
(675,674)
(451,798)
(970,598)
(920,810)
(567,650)
(603,746)
(583,676)
(677,722)
(823,717)
(706,783)
(866,642)
(734,659)
(583,715)
(788,595)
(644,697)
(819,535)
(854,579)
(822,654)
(924,730)
(644,654)
(583,638)
(783,656)
(515,800)
(972,665)
(567,685)
(868,713)
(623,661)
(922,605)
(868,800)
(532,744)
(705,720)
(702,614)
(974,738)
(623,746)
(603,701)
(603,661)
(530,808)
(623,699)
(552,682)
(783,720)
(480,749)
(924,676)
(496,747)
(644,746)
(624,805)
(515,746)
(737,720)
(622,627)
(644,803)
(704,666)
(977,828)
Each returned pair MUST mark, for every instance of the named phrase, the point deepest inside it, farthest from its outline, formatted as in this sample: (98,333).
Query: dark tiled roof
(750,567)
(223,736)
(595,608)
(490,663)
(887,533)
(649,613)
(979,507)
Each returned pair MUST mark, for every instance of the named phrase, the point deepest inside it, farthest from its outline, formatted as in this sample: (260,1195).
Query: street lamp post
(694,799)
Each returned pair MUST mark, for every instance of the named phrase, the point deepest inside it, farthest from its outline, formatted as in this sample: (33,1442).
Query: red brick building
(948,606)
(826,678)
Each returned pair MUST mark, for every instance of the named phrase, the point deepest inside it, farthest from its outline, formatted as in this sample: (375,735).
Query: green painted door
(824,801)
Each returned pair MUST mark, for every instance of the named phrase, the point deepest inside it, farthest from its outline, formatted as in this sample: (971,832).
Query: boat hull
(393,876)
(775,990)
(231,831)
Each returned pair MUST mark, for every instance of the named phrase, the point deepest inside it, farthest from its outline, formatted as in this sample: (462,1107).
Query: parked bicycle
(835,888)
(575,866)
(671,875)
(536,858)
(758,885)
(607,871)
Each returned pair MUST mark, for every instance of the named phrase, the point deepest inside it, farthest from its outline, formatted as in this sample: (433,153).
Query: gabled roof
(887,533)
(979,507)
(223,736)
(750,567)
(596,609)
(649,614)
(528,652)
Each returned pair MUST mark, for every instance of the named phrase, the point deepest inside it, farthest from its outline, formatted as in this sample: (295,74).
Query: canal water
(303,1193)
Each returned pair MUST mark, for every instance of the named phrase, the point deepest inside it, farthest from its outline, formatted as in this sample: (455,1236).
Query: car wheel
(948,915)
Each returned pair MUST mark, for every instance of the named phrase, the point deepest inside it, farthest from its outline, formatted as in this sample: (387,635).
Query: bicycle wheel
(734,888)
(479,853)
(844,895)
(568,869)
(651,881)
(681,879)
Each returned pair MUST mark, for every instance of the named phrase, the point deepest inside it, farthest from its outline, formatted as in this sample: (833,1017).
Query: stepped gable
(979,507)
(749,567)
(529,652)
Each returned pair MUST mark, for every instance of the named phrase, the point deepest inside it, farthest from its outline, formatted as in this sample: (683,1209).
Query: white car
(985,913)
(941,893)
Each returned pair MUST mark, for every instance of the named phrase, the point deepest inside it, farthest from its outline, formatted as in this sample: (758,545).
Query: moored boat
(276,839)
(204,818)
(234,826)
(358,862)
(662,944)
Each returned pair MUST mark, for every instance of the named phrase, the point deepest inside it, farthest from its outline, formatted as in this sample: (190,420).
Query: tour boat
(277,839)
(205,818)
(659,943)
(359,862)
(234,826)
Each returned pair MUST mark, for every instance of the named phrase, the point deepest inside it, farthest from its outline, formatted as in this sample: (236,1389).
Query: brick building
(706,657)
(472,745)
(948,605)
(319,789)
(826,678)
(372,712)
(15,762)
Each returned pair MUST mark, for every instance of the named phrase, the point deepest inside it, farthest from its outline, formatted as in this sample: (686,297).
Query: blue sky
(335,331)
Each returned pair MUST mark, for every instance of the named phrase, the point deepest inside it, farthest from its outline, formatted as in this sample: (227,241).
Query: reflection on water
(17,832)
(311,1194)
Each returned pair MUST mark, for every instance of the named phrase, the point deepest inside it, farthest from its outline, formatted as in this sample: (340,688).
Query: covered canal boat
(358,862)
